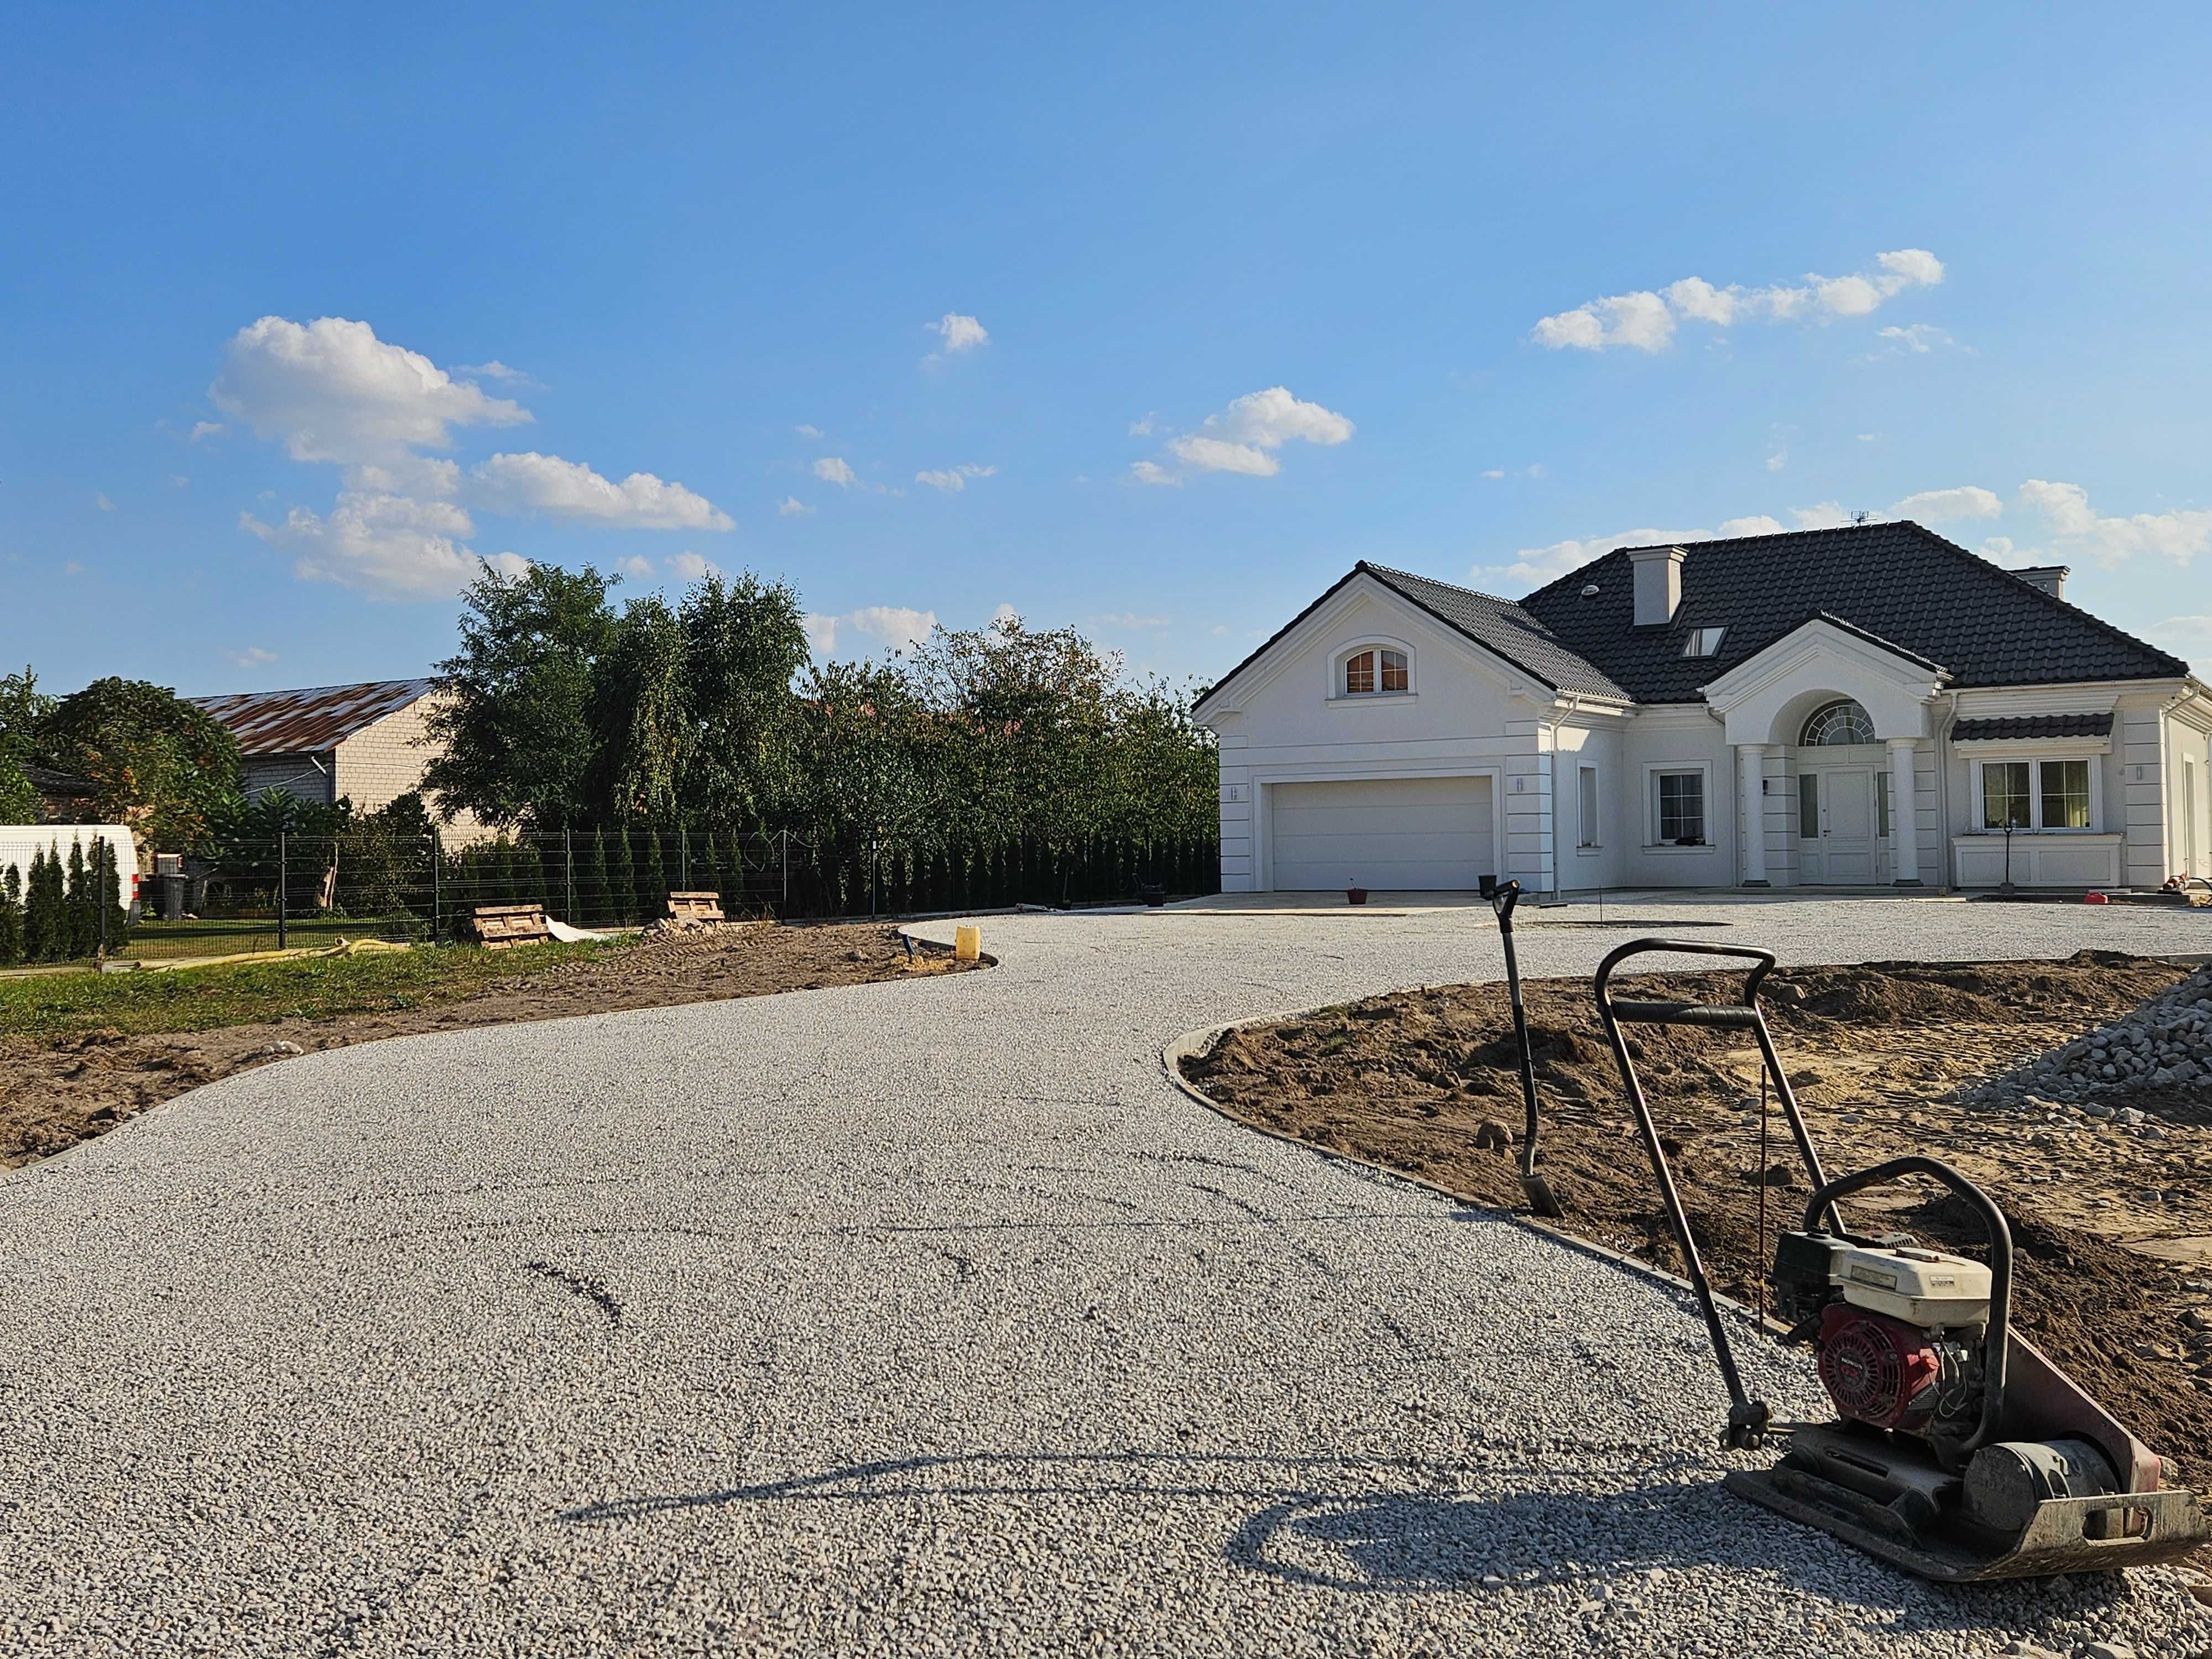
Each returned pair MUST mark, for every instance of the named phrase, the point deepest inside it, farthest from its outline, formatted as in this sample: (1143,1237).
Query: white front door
(1837,833)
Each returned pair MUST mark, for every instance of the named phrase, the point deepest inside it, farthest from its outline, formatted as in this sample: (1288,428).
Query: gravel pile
(2161,1050)
(912,1318)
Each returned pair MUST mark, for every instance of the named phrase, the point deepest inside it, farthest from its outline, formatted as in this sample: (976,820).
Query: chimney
(1658,584)
(2050,578)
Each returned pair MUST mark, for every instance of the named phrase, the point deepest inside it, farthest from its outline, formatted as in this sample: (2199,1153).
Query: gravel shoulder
(111,1047)
(898,1318)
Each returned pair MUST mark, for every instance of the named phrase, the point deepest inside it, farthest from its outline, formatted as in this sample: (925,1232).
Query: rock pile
(2163,1046)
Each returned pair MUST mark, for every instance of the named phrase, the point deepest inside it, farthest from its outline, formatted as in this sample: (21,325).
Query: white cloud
(253,657)
(530,482)
(832,469)
(203,430)
(388,547)
(1777,460)
(1143,426)
(1909,267)
(2002,549)
(1220,631)
(1821,515)
(496,370)
(1535,565)
(639,568)
(1647,320)
(2186,636)
(103,503)
(691,567)
(954,479)
(1003,612)
(180,480)
(330,391)
(1870,437)
(1920,338)
(892,625)
(1243,437)
(1757,524)
(792,508)
(1273,417)
(805,431)
(961,333)
(1639,320)
(1495,472)
(1130,620)
(1204,454)
(2181,535)
(71,568)
(1948,506)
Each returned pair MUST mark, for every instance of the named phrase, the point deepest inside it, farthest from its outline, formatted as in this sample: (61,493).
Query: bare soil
(54,1094)
(2112,1229)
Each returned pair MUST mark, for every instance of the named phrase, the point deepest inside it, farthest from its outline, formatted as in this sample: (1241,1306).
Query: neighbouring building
(63,797)
(367,744)
(1867,706)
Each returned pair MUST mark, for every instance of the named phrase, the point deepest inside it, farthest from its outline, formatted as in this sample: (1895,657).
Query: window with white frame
(1586,806)
(1678,808)
(2054,795)
(1375,670)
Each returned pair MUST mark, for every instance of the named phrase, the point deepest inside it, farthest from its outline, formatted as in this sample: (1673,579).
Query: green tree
(592,882)
(23,710)
(651,880)
(44,928)
(162,766)
(80,905)
(622,879)
(644,726)
(516,720)
(873,758)
(11,916)
(745,649)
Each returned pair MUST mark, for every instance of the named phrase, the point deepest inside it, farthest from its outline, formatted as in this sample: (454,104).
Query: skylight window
(1703,642)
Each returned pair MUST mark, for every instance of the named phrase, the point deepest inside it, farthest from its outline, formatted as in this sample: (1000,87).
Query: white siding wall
(1239,813)
(1667,736)
(1580,742)
(2139,754)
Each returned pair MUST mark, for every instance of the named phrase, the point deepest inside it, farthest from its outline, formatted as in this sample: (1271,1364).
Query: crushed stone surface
(923,1317)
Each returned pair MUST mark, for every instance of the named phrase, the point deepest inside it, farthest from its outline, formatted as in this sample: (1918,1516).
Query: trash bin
(169,898)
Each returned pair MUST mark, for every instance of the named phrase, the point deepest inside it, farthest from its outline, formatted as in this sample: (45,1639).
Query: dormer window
(1703,642)
(1375,670)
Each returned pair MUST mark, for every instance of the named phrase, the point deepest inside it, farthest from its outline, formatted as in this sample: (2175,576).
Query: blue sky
(1148,319)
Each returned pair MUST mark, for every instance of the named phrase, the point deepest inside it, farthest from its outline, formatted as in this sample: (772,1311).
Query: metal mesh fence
(298,890)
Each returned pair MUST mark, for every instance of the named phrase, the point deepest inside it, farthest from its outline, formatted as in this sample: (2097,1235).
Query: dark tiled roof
(1900,583)
(59,786)
(2033,726)
(310,721)
(1504,627)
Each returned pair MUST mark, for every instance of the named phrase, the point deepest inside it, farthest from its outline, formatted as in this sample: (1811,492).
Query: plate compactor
(1958,1450)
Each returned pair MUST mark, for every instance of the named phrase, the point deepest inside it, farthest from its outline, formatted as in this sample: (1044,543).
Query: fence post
(282,937)
(437,896)
(786,917)
(683,857)
(569,881)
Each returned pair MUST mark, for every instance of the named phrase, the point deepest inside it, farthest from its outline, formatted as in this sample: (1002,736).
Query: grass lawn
(54,1008)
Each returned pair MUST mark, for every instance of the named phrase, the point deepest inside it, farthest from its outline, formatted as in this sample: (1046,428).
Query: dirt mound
(1877,1055)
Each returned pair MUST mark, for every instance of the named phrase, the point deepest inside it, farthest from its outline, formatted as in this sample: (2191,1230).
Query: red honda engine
(1878,1369)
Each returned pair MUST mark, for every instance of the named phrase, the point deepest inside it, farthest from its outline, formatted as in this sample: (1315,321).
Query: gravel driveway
(900,1319)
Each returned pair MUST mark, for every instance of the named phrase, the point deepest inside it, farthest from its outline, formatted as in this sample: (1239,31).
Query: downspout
(1944,830)
(1736,805)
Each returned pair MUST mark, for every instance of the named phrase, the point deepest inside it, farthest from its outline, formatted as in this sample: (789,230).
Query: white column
(1750,772)
(1904,814)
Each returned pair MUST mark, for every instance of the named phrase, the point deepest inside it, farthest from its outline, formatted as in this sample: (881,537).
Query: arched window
(1844,721)
(1377,668)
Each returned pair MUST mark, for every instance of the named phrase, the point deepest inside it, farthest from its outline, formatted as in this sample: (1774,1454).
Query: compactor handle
(1634,1013)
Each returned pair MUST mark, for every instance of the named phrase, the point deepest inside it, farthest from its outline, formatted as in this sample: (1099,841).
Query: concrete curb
(1192,1044)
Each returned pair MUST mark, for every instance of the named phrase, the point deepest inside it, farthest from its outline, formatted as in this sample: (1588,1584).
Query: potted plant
(1354,893)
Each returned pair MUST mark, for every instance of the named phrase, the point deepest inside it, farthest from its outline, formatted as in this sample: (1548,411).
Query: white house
(1868,705)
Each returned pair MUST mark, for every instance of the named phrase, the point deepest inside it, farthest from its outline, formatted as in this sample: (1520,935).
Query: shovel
(1502,897)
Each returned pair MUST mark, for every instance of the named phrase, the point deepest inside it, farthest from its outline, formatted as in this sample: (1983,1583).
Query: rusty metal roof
(312,720)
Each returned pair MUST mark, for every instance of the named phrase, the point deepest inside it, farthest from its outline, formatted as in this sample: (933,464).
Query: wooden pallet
(499,927)
(694,906)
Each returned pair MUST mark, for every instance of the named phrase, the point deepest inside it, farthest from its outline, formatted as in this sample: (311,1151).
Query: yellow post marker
(967,942)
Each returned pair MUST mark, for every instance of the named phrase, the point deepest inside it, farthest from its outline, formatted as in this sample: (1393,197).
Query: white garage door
(1389,834)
